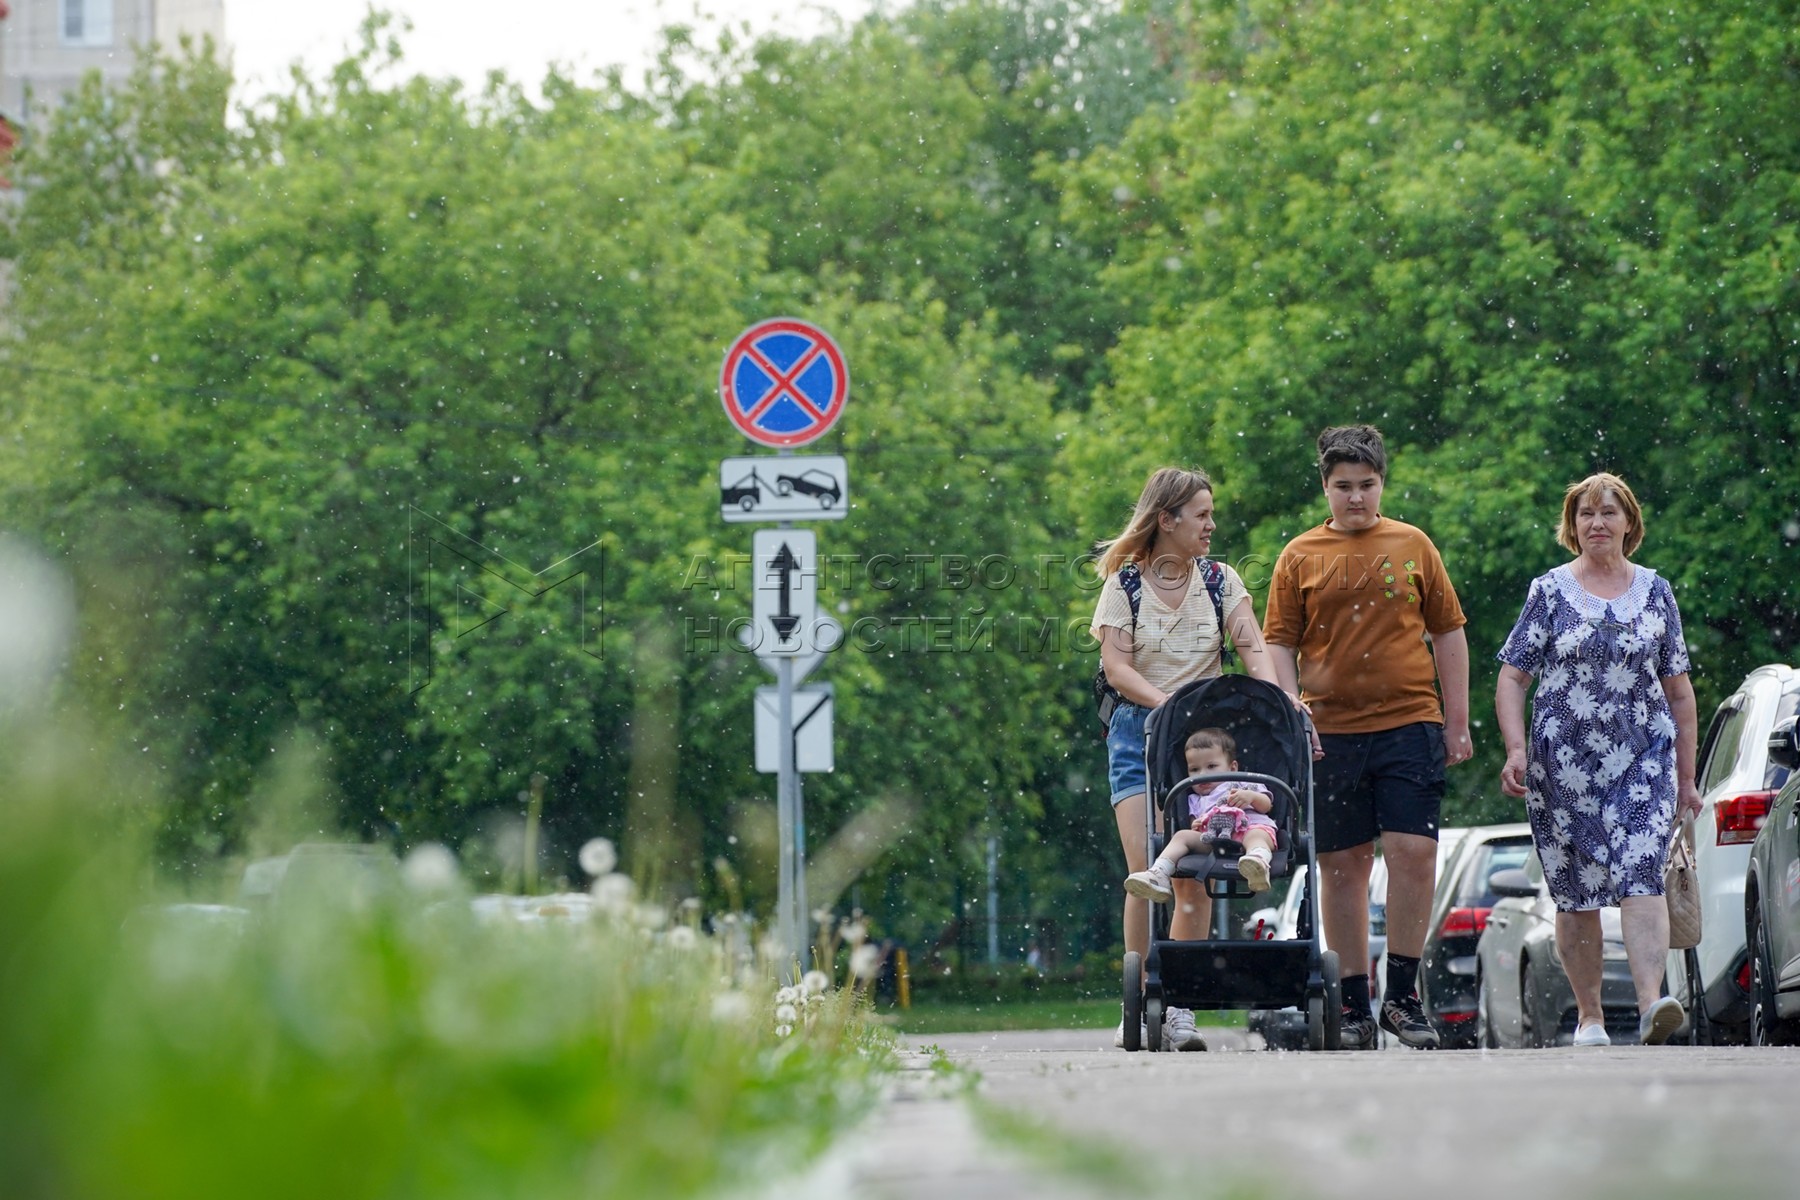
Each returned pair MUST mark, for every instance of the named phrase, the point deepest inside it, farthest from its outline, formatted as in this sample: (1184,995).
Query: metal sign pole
(786,806)
(787,786)
(802,914)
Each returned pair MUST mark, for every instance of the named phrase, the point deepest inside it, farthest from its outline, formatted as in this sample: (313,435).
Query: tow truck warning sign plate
(790,488)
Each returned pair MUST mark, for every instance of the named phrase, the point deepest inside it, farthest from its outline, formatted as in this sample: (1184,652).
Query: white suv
(1737,783)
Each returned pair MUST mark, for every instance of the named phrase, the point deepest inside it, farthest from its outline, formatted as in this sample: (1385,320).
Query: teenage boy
(1362,617)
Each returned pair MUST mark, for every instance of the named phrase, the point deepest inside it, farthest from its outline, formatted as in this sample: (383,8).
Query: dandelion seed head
(430,868)
(613,892)
(598,857)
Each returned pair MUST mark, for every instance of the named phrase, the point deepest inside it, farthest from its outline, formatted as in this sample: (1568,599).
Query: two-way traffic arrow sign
(786,590)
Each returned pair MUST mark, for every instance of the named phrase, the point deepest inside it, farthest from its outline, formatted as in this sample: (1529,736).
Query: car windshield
(1483,861)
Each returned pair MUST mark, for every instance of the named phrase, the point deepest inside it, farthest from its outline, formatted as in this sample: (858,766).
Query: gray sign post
(783,384)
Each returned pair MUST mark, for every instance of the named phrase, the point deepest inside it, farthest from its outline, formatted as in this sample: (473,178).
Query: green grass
(366,1037)
(1028,1014)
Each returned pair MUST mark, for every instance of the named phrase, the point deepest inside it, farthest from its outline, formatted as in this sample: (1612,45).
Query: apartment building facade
(46,46)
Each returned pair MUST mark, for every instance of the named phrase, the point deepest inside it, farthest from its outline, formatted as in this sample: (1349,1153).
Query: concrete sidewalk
(924,1143)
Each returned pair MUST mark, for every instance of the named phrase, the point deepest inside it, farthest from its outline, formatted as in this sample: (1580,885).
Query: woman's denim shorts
(1125,767)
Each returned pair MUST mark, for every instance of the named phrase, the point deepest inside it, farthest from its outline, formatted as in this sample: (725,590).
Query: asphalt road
(1633,1122)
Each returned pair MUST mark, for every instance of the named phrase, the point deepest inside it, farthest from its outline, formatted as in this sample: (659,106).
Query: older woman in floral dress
(1609,764)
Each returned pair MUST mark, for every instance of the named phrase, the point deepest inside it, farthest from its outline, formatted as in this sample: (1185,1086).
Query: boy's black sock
(1356,993)
(1402,975)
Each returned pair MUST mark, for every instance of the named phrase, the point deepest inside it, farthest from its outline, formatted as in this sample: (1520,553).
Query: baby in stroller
(1233,815)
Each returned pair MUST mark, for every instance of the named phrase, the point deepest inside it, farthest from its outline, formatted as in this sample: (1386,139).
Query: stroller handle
(1278,786)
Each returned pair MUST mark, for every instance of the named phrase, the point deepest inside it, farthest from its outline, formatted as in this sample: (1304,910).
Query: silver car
(1738,782)
(1522,994)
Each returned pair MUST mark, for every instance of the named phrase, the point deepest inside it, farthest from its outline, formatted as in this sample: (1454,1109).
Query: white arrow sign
(790,488)
(812,706)
(785,591)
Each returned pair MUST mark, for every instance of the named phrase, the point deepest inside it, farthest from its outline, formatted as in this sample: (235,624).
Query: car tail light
(1743,977)
(1451,1018)
(1464,922)
(1739,817)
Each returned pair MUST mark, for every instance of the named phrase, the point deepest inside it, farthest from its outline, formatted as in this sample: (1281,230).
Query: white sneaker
(1151,884)
(1663,1018)
(1179,1032)
(1254,867)
(1592,1035)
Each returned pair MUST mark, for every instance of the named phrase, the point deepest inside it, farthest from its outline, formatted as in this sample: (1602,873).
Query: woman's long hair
(1167,491)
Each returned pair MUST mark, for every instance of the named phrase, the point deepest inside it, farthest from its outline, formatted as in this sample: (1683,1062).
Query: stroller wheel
(1153,1021)
(1133,1007)
(1334,999)
(1315,1021)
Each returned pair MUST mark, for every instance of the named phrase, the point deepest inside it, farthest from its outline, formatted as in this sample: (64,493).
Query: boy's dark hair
(1212,739)
(1352,444)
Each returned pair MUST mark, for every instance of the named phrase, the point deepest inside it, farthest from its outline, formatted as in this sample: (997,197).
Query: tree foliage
(309,396)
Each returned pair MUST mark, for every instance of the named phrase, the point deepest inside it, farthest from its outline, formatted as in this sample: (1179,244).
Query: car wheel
(783,486)
(747,503)
(1766,1026)
(1484,1021)
(1530,1034)
(1133,1008)
(826,500)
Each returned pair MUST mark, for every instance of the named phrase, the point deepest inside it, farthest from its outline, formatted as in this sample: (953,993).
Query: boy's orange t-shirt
(1356,606)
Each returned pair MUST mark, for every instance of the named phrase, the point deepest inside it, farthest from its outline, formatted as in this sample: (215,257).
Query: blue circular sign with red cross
(784,382)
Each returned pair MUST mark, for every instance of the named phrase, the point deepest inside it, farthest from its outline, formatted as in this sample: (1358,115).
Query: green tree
(400,348)
(1513,242)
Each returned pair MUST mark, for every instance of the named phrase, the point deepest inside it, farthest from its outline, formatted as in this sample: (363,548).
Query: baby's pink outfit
(1199,805)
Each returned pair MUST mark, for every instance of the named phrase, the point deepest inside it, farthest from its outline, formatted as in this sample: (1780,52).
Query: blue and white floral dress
(1600,776)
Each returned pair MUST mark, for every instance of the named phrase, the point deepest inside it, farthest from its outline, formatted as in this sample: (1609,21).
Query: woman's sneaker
(1660,1022)
(1152,884)
(1592,1035)
(1179,1032)
(1404,1017)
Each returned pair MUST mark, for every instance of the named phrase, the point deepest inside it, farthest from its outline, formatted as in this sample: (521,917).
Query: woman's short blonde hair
(1594,488)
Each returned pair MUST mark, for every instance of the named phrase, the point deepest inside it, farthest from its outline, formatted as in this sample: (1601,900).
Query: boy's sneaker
(1152,884)
(1404,1017)
(1179,1032)
(1357,1030)
(1255,870)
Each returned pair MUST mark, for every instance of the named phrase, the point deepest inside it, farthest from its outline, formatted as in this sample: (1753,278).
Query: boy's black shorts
(1372,783)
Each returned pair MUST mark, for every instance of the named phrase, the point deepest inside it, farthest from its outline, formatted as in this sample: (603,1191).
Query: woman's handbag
(1681,887)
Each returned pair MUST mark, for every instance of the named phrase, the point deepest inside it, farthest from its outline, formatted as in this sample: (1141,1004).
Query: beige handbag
(1681,887)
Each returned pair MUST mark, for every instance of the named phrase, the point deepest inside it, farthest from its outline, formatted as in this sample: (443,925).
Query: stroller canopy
(1270,732)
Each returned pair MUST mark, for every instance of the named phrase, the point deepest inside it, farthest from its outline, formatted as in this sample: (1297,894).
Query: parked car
(1460,907)
(1285,1028)
(1523,997)
(1772,904)
(349,872)
(816,483)
(1738,781)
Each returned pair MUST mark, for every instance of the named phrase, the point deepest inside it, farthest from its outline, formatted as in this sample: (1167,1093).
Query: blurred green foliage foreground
(367,1028)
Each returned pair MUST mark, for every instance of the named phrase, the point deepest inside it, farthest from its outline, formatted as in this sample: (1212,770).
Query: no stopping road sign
(784,382)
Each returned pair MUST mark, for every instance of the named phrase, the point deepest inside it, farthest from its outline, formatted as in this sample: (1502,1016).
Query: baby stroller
(1275,750)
